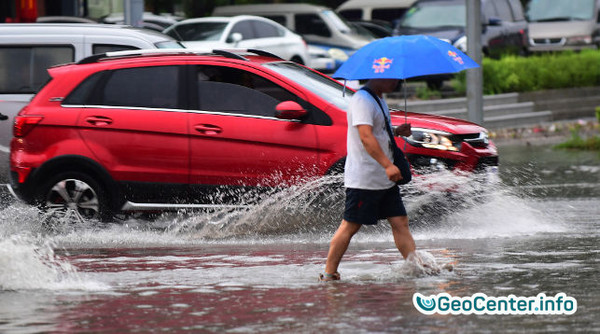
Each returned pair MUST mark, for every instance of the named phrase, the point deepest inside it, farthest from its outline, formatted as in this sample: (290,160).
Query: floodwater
(536,231)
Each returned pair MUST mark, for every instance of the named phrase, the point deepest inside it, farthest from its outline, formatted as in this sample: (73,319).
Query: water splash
(26,264)
(442,205)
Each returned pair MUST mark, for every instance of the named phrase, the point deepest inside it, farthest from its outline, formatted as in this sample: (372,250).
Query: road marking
(4,149)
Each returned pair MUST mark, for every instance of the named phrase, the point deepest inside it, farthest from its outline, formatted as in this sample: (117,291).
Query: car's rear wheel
(73,197)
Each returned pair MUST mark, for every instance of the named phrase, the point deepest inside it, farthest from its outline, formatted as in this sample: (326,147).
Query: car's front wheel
(73,197)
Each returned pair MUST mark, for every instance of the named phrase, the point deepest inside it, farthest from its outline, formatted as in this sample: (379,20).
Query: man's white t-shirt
(361,170)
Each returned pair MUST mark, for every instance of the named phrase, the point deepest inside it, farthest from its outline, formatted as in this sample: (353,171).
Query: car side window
(266,30)
(387,14)
(504,10)
(277,18)
(83,92)
(231,90)
(311,24)
(23,68)
(352,14)
(150,87)
(244,28)
(103,48)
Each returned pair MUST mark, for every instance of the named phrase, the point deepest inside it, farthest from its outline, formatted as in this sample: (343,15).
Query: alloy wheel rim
(73,199)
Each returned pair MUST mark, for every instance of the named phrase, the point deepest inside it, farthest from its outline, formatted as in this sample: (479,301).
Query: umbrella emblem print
(382,64)
(455,57)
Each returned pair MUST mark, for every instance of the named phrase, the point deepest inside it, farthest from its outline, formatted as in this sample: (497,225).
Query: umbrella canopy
(402,57)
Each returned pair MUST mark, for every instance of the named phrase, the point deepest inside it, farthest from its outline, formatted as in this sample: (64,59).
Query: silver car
(243,32)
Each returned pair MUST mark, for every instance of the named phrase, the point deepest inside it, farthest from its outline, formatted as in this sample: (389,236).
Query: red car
(136,130)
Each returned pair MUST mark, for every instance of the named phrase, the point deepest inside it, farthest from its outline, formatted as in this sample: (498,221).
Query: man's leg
(339,244)
(402,237)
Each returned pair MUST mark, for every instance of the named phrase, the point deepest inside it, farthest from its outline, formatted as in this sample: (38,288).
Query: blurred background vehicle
(504,28)
(319,26)
(556,25)
(374,10)
(150,21)
(243,31)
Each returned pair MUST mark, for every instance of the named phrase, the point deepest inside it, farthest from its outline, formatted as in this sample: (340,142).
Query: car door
(236,139)
(261,35)
(271,38)
(134,124)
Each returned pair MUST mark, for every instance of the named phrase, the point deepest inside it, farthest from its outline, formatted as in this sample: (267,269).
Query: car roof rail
(229,54)
(264,53)
(225,53)
(95,58)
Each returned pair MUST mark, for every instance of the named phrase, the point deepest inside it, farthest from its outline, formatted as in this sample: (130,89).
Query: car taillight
(24,124)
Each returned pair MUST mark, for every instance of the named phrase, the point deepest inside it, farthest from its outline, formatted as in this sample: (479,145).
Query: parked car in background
(243,31)
(556,25)
(320,59)
(504,30)
(319,26)
(149,20)
(27,50)
(374,10)
(127,132)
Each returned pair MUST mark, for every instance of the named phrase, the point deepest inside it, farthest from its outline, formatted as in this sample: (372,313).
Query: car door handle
(208,129)
(99,120)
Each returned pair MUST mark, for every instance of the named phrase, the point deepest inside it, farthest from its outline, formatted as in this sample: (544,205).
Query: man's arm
(372,146)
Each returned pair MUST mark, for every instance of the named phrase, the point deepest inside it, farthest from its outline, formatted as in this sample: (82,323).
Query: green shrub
(577,142)
(537,72)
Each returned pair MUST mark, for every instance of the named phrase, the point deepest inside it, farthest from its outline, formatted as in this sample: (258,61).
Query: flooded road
(537,231)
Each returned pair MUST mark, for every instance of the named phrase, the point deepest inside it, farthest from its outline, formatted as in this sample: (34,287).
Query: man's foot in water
(329,277)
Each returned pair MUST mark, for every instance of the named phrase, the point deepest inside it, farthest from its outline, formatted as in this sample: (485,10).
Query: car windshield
(560,10)
(337,21)
(200,31)
(320,85)
(346,27)
(435,15)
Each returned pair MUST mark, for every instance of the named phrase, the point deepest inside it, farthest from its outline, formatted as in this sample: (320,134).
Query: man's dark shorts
(367,206)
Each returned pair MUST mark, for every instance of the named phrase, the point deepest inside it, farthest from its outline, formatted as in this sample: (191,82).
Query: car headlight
(433,139)
(338,54)
(579,40)
(461,44)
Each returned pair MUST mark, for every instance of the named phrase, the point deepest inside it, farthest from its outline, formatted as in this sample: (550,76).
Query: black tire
(74,196)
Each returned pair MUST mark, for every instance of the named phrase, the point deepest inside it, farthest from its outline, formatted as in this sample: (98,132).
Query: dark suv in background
(504,27)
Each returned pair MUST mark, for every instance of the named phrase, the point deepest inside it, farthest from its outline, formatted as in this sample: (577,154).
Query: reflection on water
(256,270)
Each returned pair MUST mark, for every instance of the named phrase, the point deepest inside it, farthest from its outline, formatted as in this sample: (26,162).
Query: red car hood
(435,122)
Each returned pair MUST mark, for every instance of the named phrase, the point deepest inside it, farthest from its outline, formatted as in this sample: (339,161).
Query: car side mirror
(235,38)
(289,110)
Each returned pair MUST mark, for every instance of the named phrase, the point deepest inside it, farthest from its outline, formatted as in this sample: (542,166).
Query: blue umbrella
(402,57)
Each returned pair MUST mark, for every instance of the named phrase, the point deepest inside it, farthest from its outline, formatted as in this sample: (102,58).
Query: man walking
(370,176)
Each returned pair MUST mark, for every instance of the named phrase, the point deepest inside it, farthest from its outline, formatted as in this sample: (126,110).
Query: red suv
(137,130)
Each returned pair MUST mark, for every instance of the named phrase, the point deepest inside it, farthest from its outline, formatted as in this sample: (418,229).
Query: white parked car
(243,32)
